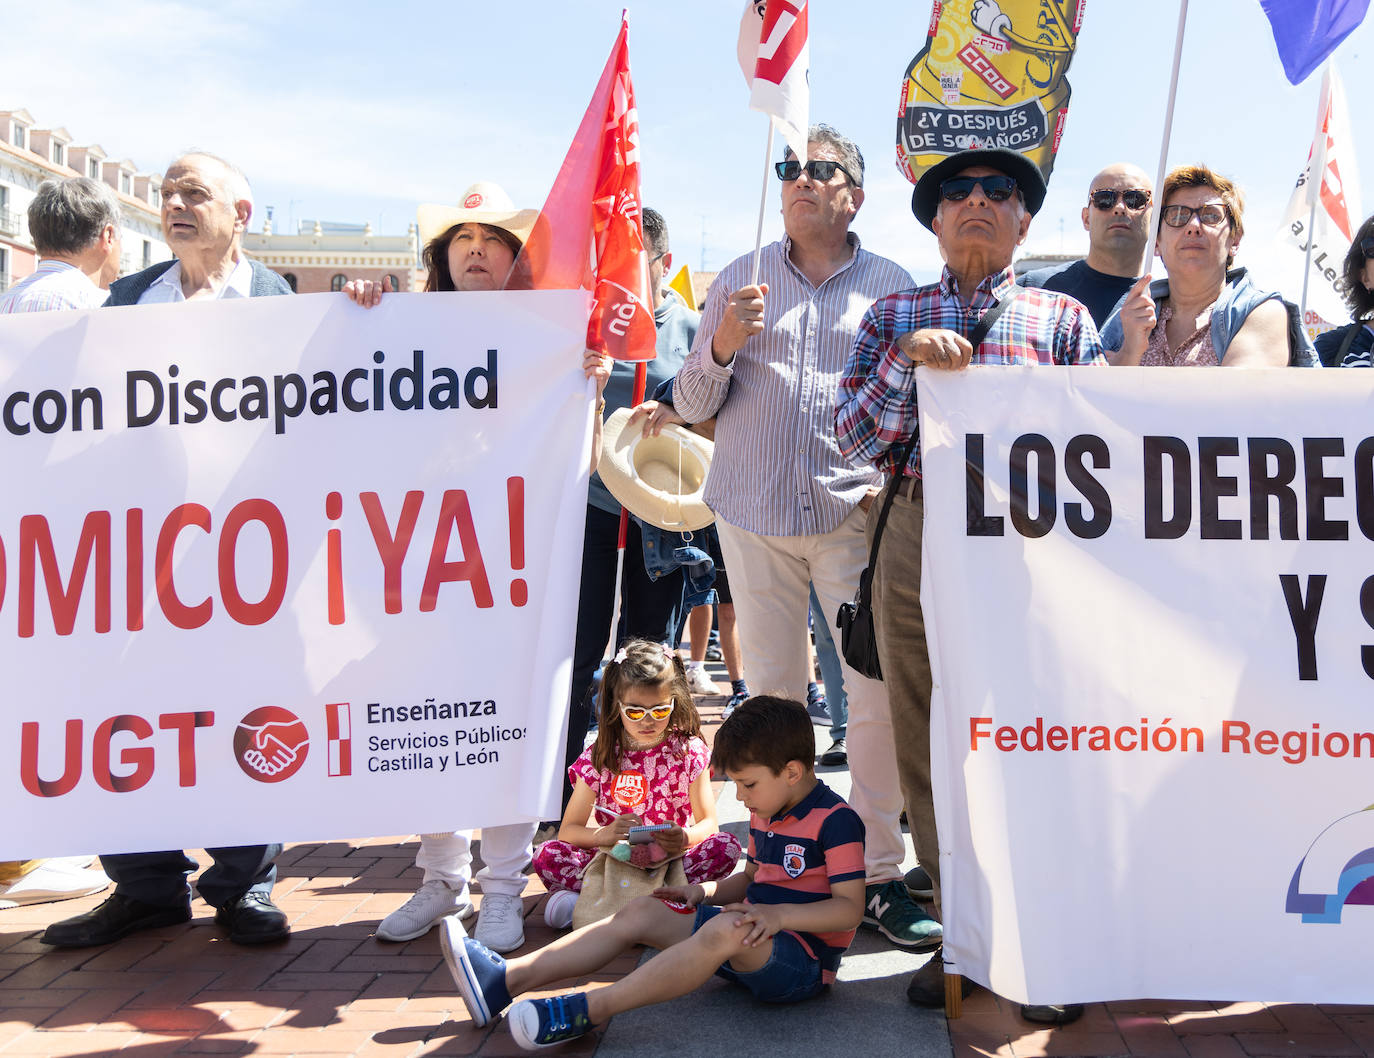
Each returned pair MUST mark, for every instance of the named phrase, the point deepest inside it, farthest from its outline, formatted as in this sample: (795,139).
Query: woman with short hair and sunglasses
(1353,344)
(1206,314)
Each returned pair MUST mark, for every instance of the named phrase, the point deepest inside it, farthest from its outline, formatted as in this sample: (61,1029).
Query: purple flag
(1307,31)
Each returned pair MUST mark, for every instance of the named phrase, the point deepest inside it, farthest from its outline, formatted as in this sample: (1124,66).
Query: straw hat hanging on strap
(659,480)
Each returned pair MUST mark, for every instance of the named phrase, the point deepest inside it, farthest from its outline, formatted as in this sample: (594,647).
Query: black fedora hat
(925,198)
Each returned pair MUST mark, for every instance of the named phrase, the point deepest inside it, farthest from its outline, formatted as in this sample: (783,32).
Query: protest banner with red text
(1149,597)
(287,569)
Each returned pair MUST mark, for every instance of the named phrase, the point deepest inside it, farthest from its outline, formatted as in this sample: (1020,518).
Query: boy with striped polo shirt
(778,928)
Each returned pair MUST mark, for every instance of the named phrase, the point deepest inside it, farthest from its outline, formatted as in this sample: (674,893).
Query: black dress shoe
(1052,1013)
(253,919)
(117,917)
(927,986)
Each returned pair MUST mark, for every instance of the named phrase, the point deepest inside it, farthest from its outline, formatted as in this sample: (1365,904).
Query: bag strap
(976,338)
(1351,333)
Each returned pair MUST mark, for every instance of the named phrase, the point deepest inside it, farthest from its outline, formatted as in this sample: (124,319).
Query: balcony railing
(9,222)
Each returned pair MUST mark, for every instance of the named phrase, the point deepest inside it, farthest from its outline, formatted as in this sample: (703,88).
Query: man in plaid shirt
(979,204)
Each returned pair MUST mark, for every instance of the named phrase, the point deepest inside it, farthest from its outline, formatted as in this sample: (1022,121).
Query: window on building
(395,281)
(93,168)
(59,153)
(156,196)
(18,138)
(125,183)
(147,253)
(4,269)
(290,278)
(337,283)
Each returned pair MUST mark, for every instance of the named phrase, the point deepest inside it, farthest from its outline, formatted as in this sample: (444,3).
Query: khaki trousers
(906,664)
(770,578)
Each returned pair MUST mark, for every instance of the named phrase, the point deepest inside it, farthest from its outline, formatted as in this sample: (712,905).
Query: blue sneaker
(738,698)
(816,705)
(479,972)
(539,1023)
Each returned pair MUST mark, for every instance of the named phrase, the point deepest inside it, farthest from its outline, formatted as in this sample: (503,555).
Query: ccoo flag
(775,56)
(1307,31)
(1332,180)
(590,232)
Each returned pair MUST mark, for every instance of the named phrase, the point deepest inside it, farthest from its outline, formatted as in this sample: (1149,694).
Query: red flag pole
(641,378)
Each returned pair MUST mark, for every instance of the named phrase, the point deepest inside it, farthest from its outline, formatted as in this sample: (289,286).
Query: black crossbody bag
(858,631)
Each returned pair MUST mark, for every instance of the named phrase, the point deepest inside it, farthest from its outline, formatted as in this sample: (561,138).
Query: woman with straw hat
(470,247)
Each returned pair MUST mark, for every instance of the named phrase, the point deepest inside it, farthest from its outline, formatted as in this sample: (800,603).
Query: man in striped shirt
(979,204)
(790,508)
(75,225)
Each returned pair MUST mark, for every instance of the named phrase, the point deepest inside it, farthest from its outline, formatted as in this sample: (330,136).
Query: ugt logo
(1337,870)
(270,744)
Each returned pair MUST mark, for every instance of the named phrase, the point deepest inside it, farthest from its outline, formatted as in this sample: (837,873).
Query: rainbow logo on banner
(993,73)
(1338,869)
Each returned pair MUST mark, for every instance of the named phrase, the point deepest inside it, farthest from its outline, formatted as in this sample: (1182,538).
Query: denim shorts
(790,975)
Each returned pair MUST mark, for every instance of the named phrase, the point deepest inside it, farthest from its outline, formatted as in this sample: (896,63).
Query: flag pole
(763,201)
(1316,173)
(1168,128)
(636,399)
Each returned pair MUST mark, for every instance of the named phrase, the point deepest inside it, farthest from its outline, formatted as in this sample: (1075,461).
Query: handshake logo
(271,744)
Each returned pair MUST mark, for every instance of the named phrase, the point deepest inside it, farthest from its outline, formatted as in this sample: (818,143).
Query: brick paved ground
(991,1026)
(333,989)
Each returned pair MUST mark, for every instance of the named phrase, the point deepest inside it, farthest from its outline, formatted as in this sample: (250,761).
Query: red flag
(590,233)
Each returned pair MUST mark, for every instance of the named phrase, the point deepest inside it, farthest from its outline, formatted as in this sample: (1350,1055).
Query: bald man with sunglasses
(979,204)
(1117,220)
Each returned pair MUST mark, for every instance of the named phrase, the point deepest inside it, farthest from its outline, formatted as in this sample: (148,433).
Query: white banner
(287,569)
(1150,608)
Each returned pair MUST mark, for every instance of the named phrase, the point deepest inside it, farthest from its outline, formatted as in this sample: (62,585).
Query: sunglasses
(996,188)
(818,169)
(636,713)
(1209,216)
(1105,198)
(1367,246)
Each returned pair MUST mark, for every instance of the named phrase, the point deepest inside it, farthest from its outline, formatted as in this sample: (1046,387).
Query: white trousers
(505,852)
(769,580)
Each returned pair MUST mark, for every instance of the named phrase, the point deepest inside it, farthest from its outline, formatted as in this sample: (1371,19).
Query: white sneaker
(433,901)
(78,862)
(501,922)
(51,881)
(558,908)
(698,682)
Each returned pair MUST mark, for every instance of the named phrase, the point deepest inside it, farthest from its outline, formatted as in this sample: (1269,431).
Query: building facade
(29,155)
(323,256)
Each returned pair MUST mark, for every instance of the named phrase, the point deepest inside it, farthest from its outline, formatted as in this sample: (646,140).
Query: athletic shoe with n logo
(889,909)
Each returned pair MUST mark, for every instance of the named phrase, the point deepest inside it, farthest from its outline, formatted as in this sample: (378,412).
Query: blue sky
(353,111)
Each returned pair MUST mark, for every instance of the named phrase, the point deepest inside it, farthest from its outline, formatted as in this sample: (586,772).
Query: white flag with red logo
(1337,216)
(775,57)
(590,232)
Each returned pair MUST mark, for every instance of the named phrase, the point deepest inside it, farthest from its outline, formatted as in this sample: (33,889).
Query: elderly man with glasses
(1117,220)
(979,204)
(790,509)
